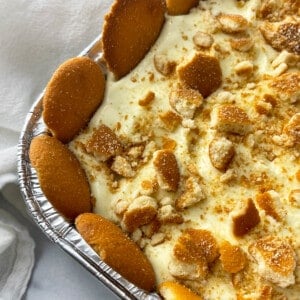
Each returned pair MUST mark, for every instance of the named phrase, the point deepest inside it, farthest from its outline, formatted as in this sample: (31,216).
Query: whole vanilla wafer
(180,7)
(129,31)
(116,249)
(72,95)
(61,177)
(172,290)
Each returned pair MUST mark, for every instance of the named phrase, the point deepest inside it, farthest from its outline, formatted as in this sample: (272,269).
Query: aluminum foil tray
(54,226)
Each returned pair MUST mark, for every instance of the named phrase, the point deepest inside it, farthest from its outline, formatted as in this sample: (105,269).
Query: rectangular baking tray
(53,225)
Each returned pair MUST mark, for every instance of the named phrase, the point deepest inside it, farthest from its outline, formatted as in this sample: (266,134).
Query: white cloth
(35,37)
(16,252)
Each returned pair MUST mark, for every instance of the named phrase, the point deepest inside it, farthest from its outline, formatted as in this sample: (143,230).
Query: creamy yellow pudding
(205,177)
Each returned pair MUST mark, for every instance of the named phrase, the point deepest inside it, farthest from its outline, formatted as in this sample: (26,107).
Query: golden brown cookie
(246,219)
(104,143)
(129,31)
(282,36)
(175,291)
(167,170)
(180,7)
(116,249)
(196,245)
(232,257)
(61,177)
(276,260)
(72,95)
(203,73)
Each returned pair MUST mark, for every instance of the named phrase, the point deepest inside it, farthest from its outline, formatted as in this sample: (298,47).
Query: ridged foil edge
(54,226)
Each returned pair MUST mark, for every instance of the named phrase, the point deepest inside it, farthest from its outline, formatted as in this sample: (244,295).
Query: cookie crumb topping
(195,152)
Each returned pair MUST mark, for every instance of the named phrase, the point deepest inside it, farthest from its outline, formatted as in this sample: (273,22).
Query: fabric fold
(16,257)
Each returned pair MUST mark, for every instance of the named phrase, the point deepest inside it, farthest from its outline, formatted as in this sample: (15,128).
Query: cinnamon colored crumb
(147,99)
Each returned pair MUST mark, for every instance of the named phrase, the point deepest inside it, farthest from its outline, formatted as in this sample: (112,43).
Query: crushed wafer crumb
(270,203)
(104,143)
(232,257)
(148,99)
(242,44)
(292,129)
(221,152)
(231,118)
(276,260)
(188,271)
(170,119)
(246,219)
(141,211)
(194,245)
(163,65)
(120,206)
(167,170)
(283,36)
(167,214)
(203,39)
(157,238)
(192,194)
(228,176)
(185,101)
(244,68)
(231,23)
(122,167)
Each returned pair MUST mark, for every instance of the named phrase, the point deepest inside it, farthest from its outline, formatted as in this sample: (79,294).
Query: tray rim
(43,214)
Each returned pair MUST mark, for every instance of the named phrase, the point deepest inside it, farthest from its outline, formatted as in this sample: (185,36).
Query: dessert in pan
(180,165)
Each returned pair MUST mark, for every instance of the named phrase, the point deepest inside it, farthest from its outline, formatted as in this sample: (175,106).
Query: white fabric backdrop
(35,37)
